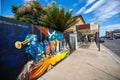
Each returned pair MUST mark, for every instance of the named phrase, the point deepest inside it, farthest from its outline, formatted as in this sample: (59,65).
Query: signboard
(84,31)
(94,27)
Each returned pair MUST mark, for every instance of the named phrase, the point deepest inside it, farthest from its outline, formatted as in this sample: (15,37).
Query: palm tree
(57,18)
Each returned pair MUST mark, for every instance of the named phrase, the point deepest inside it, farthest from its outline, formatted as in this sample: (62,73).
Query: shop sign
(94,27)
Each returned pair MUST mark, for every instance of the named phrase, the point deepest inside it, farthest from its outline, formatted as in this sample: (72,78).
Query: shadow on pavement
(85,45)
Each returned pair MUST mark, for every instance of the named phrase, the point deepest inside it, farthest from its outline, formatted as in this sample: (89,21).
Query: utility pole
(98,38)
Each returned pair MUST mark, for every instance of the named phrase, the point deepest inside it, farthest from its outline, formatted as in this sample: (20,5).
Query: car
(101,40)
(111,38)
(117,36)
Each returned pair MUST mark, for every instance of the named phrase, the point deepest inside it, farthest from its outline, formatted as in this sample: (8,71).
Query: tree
(50,16)
(57,18)
(31,12)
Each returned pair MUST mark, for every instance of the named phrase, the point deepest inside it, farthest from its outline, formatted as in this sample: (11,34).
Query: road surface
(113,45)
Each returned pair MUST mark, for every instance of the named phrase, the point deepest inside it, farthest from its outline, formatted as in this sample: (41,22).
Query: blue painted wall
(12,60)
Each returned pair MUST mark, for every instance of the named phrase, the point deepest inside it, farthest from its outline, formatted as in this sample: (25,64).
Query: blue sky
(106,12)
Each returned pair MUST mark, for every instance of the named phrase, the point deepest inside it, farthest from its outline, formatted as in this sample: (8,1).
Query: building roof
(80,16)
(81,19)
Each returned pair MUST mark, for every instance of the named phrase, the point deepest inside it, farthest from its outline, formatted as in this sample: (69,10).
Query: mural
(31,50)
(45,54)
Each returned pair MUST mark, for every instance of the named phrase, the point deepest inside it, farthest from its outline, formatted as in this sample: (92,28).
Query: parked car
(111,38)
(117,36)
(101,40)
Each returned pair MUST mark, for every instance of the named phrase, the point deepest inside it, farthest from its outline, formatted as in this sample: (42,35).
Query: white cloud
(81,10)
(102,9)
(103,29)
(89,2)
(95,6)
(108,10)
(111,27)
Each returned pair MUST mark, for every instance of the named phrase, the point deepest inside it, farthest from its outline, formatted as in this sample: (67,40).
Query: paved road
(113,45)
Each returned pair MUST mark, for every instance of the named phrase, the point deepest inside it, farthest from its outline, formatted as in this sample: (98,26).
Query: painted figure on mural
(34,47)
(57,45)
(53,47)
(51,34)
(47,47)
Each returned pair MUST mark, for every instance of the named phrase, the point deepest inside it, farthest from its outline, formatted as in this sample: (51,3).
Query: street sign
(94,27)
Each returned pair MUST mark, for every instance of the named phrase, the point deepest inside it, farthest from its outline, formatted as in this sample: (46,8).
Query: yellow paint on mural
(41,67)
(18,44)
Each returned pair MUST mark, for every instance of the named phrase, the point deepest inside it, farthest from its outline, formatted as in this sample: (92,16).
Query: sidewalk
(85,64)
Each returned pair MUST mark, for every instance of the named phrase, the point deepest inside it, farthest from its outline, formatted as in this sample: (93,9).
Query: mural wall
(28,51)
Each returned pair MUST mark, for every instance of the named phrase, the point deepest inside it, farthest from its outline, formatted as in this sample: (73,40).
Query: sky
(106,12)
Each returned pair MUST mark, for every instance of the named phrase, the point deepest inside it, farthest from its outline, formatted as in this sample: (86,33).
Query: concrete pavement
(85,64)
